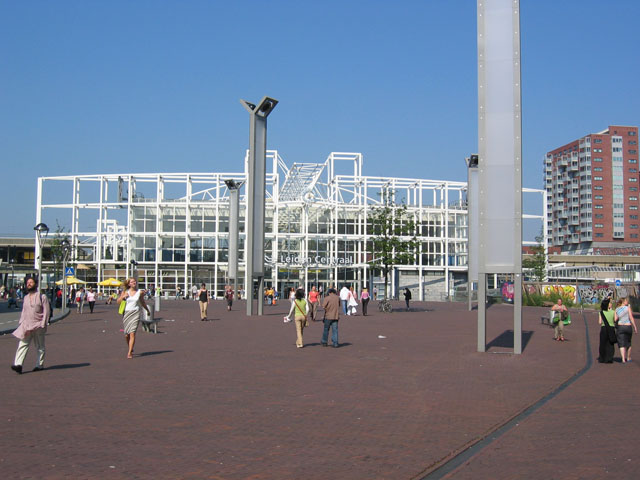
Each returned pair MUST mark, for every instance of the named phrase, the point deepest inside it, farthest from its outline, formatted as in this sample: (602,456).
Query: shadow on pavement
(505,339)
(67,365)
(158,352)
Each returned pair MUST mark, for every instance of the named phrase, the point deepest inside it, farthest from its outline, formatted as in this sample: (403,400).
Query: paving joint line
(465,453)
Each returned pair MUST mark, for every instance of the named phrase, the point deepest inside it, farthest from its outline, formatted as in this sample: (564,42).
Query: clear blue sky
(153,86)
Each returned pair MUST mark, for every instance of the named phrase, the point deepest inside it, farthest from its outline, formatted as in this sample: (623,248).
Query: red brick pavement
(234,399)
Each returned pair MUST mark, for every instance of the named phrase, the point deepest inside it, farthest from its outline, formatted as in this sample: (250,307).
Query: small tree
(57,250)
(393,238)
(538,261)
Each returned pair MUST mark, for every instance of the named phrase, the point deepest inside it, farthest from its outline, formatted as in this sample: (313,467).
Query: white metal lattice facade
(176,226)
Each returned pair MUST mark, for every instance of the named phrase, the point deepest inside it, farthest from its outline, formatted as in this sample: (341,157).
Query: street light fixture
(234,207)
(255,195)
(66,249)
(134,268)
(11,262)
(41,233)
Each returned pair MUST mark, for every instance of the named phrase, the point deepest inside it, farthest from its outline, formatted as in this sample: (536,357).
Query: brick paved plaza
(234,399)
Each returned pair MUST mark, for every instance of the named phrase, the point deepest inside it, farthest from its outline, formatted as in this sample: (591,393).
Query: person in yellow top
(299,310)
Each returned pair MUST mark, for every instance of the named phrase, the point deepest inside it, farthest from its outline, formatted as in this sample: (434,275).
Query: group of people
(83,296)
(302,310)
(617,325)
(36,314)
(349,300)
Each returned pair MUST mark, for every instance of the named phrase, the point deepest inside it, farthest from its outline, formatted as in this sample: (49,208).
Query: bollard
(156,305)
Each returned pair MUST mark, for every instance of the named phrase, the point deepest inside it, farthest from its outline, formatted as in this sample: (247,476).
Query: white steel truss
(175,225)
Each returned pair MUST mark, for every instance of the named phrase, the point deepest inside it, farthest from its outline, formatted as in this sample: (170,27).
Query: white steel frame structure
(176,226)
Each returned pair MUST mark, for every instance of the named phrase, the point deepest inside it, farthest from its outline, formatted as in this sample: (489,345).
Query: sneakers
(37,369)
(17,369)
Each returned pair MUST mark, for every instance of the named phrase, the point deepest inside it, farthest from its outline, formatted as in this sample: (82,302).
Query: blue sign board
(618,283)
(69,272)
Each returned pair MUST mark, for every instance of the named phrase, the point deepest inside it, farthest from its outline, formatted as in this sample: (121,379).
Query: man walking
(344,298)
(331,305)
(32,326)
(228,295)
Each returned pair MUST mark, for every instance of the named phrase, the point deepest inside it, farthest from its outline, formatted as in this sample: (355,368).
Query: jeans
(344,306)
(333,324)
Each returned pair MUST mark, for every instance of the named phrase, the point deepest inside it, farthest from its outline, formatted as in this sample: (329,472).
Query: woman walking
(134,299)
(607,332)
(203,297)
(624,322)
(91,299)
(313,303)
(352,303)
(364,298)
(299,310)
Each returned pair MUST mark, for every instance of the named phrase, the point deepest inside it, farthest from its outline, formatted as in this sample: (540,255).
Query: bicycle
(385,306)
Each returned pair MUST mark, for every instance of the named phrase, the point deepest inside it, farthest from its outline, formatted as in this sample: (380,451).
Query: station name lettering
(317,260)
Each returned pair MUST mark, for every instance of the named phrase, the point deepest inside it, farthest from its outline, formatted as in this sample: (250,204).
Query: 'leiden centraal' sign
(316,260)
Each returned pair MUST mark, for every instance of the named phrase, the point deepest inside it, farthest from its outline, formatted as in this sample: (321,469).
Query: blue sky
(152,86)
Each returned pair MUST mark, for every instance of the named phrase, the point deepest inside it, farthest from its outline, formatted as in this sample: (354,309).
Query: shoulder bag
(611,331)
(306,320)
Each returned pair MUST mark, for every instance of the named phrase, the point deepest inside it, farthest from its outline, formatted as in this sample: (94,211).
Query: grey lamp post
(41,233)
(472,222)
(66,249)
(254,224)
(11,262)
(234,207)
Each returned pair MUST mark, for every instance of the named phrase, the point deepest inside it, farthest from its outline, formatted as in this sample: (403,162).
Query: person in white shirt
(344,298)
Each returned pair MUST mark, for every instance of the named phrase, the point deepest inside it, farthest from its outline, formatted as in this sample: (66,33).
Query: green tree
(393,235)
(537,262)
(57,251)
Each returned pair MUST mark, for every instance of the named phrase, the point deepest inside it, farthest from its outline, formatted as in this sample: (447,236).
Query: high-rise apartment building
(592,192)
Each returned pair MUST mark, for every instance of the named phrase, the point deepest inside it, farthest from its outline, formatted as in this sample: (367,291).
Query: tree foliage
(537,262)
(57,250)
(393,235)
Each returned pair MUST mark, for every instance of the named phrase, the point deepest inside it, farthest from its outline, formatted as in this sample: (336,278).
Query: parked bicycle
(385,306)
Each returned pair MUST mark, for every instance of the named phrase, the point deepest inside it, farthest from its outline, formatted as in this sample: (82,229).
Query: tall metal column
(234,220)
(472,222)
(500,151)
(255,193)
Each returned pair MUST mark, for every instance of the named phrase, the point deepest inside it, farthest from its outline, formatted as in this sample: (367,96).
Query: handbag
(306,320)
(122,306)
(611,331)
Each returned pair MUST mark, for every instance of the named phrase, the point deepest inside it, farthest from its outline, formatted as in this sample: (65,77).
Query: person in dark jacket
(407,297)
(331,305)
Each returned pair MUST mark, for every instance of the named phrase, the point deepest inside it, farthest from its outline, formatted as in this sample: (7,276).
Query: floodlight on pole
(234,221)
(66,249)
(42,230)
(472,236)
(255,194)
